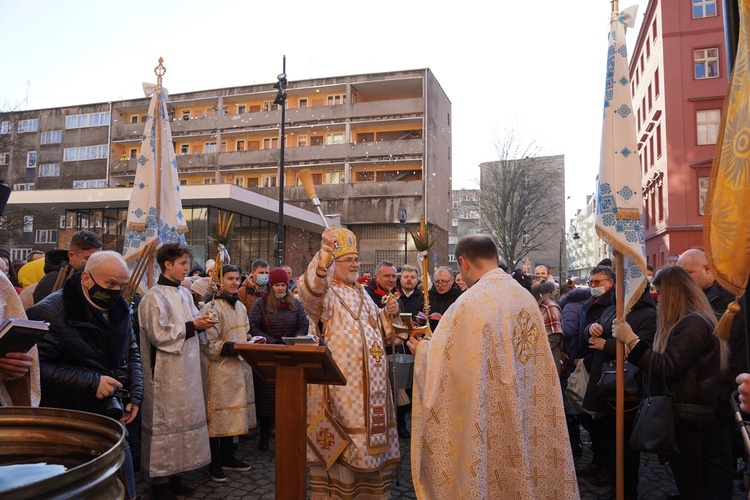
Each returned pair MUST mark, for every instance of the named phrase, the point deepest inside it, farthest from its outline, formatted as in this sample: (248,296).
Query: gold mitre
(347,243)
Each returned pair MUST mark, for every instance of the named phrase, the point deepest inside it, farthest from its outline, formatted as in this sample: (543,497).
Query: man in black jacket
(82,245)
(443,293)
(89,359)
(412,297)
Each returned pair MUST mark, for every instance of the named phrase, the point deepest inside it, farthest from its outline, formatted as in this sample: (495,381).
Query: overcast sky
(534,65)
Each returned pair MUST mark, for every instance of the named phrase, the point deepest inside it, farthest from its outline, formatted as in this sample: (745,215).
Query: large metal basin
(82,452)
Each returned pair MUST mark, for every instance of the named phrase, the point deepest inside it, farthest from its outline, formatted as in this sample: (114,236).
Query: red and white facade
(679,78)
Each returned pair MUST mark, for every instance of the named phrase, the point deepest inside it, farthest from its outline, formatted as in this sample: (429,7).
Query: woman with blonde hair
(689,358)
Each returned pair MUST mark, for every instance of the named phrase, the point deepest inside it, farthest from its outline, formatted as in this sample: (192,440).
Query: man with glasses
(89,359)
(357,332)
(443,293)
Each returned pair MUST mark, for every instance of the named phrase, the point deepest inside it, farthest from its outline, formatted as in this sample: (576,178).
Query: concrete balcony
(363,203)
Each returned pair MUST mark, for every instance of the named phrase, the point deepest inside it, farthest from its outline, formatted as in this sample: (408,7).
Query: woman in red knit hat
(274,315)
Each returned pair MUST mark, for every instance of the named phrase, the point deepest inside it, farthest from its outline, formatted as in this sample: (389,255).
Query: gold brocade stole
(375,378)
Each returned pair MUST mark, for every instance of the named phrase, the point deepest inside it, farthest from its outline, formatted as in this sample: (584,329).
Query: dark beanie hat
(277,275)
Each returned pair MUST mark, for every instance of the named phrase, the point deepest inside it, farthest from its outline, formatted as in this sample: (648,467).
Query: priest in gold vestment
(488,418)
(352,444)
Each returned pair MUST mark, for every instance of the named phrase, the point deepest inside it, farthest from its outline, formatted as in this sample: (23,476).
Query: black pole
(281,100)
(406,246)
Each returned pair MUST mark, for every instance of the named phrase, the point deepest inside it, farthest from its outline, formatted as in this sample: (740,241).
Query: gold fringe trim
(724,328)
(136,226)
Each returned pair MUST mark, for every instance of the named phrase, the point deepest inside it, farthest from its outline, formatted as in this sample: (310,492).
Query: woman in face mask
(274,315)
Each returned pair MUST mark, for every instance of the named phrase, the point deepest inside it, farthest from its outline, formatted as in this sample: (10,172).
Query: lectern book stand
(292,367)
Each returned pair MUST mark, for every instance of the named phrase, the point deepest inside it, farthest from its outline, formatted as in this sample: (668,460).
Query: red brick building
(679,78)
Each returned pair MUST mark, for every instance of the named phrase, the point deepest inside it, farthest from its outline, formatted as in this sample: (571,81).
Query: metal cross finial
(615,6)
(160,70)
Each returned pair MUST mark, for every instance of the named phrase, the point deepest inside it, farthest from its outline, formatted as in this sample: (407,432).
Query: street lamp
(280,86)
(403,225)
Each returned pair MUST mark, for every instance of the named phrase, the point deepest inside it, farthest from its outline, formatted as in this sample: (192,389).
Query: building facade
(679,80)
(376,144)
(465,213)
(540,196)
(585,248)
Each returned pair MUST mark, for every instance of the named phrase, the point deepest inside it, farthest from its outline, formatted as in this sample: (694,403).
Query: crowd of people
(485,386)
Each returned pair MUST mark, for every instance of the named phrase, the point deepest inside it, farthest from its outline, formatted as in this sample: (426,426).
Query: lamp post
(280,86)
(403,225)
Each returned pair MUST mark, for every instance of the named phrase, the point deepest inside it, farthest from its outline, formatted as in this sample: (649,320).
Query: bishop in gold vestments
(355,330)
(488,418)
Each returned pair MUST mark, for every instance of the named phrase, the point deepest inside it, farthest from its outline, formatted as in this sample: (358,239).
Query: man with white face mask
(602,283)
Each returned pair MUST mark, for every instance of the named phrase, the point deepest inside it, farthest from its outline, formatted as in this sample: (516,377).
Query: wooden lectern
(292,367)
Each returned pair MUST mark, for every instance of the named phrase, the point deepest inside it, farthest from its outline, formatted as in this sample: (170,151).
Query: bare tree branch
(515,204)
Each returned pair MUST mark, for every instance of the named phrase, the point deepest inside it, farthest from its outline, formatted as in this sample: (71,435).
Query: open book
(20,335)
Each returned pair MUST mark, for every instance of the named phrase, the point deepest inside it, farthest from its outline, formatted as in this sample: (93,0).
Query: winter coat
(413,303)
(82,345)
(642,319)
(282,323)
(689,364)
(53,261)
(571,305)
(439,303)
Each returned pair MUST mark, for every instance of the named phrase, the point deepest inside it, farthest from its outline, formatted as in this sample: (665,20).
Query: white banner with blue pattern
(155,209)
(619,203)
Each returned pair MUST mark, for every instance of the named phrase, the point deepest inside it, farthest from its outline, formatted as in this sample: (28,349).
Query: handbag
(607,384)
(653,427)
(575,389)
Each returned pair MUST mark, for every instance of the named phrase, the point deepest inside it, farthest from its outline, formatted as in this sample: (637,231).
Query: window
(4,158)
(270,106)
(184,149)
(656,83)
(268,180)
(31,159)
(658,141)
(333,177)
(185,114)
(85,153)
(365,176)
(302,141)
(333,100)
(454,222)
(52,137)
(702,193)
(241,109)
(133,153)
(706,63)
(704,8)
(707,124)
(19,253)
(5,127)
(28,223)
(28,126)
(239,181)
(210,147)
(335,138)
(209,180)
(90,184)
(270,143)
(525,240)
(134,119)
(49,170)
(302,102)
(24,186)
(45,236)
(240,145)
(88,120)
(452,240)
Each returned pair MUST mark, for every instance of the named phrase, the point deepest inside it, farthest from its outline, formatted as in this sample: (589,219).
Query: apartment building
(679,79)
(377,144)
(465,220)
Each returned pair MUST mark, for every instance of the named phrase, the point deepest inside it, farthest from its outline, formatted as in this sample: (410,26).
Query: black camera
(113,405)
